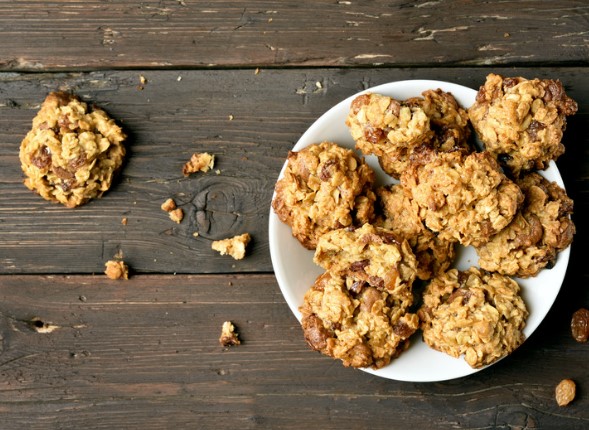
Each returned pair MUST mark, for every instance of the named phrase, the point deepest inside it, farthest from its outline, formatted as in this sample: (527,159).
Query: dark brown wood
(249,121)
(242,80)
(66,35)
(144,354)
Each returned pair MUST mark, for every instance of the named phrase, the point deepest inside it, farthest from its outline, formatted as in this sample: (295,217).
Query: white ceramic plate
(296,272)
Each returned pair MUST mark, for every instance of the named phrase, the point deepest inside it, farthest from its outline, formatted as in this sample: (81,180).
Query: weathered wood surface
(70,35)
(250,121)
(144,354)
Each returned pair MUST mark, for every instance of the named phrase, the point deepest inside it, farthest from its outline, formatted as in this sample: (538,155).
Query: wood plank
(72,35)
(144,354)
(250,121)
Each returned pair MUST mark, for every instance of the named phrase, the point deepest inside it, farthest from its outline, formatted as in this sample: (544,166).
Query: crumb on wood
(168,205)
(177,215)
(199,162)
(124,221)
(233,246)
(229,336)
(116,269)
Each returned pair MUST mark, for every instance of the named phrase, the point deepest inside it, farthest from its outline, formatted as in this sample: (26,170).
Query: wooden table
(242,80)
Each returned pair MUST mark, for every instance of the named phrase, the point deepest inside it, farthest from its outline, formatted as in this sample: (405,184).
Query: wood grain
(249,121)
(71,35)
(144,354)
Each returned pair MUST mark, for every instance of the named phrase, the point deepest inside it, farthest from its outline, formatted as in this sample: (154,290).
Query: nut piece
(234,246)
(228,335)
(168,205)
(116,270)
(199,162)
(565,392)
(580,325)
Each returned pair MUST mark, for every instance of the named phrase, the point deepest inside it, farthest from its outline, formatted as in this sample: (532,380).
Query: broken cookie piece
(229,336)
(72,152)
(168,205)
(199,162)
(233,246)
(116,269)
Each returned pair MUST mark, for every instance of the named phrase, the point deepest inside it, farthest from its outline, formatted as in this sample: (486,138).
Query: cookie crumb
(116,270)
(177,215)
(124,221)
(195,234)
(229,336)
(234,246)
(199,162)
(169,205)
(565,392)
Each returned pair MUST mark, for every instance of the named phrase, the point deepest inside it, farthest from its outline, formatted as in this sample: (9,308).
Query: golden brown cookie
(474,313)
(400,214)
(72,152)
(541,229)
(361,325)
(520,121)
(388,128)
(463,197)
(324,187)
(369,255)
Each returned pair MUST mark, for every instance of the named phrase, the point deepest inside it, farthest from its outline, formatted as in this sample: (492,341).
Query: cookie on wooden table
(72,152)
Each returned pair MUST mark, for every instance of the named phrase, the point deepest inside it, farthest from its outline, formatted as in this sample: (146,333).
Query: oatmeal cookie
(72,152)
(324,187)
(474,313)
(199,162)
(541,229)
(463,197)
(388,128)
(448,120)
(400,214)
(520,121)
(370,255)
(363,326)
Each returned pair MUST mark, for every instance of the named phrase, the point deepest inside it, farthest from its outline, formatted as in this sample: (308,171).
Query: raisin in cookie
(370,255)
(541,229)
(72,152)
(521,121)
(388,128)
(474,313)
(361,325)
(324,187)
(463,197)
(400,214)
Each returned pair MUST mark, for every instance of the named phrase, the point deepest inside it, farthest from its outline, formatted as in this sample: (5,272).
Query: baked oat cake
(541,229)
(387,128)
(464,197)
(359,324)
(324,187)
(72,152)
(392,129)
(369,255)
(520,121)
(234,246)
(474,313)
(400,214)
